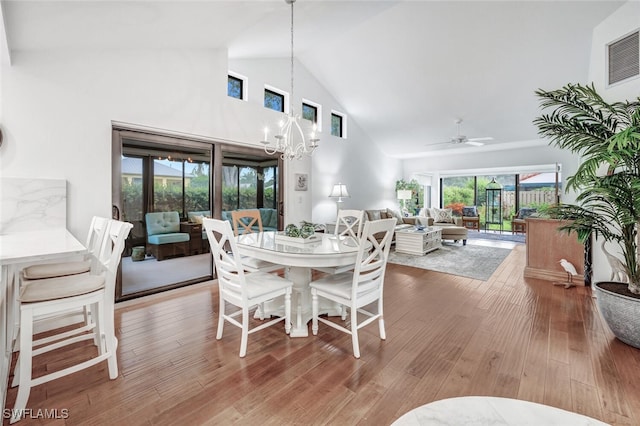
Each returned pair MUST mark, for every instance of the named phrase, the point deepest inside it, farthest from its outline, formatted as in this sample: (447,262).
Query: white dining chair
(95,239)
(241,288)
(358,288)
(348,225)
(243,222)
(61,294)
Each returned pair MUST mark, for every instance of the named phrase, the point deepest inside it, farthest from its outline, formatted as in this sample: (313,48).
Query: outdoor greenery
(458,192)
(605,135)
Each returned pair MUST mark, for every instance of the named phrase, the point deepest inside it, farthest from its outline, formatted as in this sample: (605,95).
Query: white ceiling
(403,70)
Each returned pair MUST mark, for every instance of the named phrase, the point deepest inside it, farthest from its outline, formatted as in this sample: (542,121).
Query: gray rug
(506,236)
(471,261)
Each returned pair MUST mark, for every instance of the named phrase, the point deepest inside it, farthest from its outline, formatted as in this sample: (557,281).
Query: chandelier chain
(289,127)
(291,99)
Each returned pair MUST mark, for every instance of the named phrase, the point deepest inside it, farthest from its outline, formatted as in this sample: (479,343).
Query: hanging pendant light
(290,140)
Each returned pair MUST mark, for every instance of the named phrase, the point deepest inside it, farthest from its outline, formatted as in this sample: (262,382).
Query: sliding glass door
(186,178)
(159,174)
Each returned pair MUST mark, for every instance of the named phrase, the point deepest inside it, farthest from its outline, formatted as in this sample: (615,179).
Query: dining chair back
(349,223)
(361,287)
(61,294)
(241,288)
(245,220)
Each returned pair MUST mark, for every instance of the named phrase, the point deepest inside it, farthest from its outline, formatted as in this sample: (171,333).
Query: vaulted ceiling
(405,71)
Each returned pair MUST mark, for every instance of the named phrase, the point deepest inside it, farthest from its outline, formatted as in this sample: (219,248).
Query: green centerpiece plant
(607,183)
(306,230)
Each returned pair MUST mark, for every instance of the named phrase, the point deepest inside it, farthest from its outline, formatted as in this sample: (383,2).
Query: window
(249,187)
(338,124)
(273,100)
(309,112)
(524,190)
(234,87)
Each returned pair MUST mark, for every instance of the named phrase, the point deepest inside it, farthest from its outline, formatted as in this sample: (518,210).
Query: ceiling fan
(458,139)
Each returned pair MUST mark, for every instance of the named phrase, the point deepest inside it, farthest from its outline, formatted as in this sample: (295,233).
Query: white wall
(355,161)
(620,23)
(58,108)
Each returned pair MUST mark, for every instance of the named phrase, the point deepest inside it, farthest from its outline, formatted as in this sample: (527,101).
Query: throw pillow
(198,219)
(469,211)
(395,214)
(526,212)
(442,215)
(374,214)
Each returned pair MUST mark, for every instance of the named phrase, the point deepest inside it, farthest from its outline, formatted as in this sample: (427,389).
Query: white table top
(329,250)
(485,411)
(32,246)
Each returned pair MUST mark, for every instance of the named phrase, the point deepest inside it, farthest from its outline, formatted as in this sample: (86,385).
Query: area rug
(506,236)
(471,261)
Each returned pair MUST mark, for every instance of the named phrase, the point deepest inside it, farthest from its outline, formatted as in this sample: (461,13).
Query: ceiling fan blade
(474,143)
(488,138)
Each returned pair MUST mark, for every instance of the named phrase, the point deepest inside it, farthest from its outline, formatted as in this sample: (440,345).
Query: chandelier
(289,127)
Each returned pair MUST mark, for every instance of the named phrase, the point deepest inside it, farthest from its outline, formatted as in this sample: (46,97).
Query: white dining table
(299,259)
(18,250)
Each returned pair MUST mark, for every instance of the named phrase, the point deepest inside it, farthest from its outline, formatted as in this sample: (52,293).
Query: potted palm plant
(607,137)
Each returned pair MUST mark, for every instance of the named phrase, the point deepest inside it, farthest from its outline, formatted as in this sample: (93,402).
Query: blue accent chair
(164,238)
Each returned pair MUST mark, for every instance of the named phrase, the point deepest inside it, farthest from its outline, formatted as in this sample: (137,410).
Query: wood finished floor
(447,336)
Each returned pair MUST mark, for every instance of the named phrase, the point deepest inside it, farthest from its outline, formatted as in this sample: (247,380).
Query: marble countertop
(35,245)
(485,411)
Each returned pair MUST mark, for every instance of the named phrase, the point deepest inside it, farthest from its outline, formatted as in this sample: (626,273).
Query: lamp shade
(404,194)
(339,191)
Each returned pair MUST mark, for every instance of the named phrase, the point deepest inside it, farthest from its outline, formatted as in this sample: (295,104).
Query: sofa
(452,226)
(164,239)
(197,216)
(401,222)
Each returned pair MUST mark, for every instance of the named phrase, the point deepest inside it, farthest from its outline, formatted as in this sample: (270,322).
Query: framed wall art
(302,181)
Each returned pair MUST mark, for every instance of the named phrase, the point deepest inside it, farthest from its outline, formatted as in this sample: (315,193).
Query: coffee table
(420,242)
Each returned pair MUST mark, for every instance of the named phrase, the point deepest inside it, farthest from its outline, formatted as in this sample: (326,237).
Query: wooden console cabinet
(195,234)
(546,246)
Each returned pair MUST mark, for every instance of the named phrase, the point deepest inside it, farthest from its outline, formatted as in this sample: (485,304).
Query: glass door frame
(121,134)
(218,158)
(121,131)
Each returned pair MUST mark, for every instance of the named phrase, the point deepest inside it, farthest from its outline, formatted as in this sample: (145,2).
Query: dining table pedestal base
(300,303)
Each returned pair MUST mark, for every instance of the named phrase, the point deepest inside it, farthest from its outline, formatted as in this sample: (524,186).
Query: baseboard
(543,274)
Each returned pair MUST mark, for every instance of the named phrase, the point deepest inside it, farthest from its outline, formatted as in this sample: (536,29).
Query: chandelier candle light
(290,126)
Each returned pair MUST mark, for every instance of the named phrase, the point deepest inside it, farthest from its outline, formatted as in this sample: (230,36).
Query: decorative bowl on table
(419,227)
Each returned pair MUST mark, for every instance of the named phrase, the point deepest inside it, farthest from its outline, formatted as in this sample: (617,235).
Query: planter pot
(137,254)
(621,313)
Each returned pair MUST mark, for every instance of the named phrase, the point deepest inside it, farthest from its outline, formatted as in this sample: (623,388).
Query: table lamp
(339,191)
(403,196)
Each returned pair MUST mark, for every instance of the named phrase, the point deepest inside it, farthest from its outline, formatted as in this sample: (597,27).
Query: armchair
(518,223)
(471,218)
(164,238)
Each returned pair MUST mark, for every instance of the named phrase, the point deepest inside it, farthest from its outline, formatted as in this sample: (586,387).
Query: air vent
(624,58)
